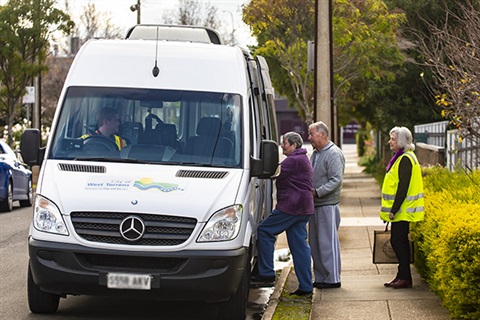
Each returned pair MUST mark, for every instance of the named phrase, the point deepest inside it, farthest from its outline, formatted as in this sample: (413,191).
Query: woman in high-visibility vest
(402,200)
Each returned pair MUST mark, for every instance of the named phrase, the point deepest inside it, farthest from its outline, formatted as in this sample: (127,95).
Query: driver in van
(108,125)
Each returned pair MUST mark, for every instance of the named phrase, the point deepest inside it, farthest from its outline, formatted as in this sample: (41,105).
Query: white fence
(464,153)
(431,133)
(460,152)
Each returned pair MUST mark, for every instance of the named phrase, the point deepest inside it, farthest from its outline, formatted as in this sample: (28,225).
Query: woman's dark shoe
(389,284)
(299,292)
(258,281)
(401,284)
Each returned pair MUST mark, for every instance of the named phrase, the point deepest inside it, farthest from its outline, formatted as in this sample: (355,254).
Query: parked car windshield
(148,125)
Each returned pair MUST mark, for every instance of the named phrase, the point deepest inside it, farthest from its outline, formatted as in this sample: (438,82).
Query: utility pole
(37,106)
(324,102)
(136,7)
(37,83)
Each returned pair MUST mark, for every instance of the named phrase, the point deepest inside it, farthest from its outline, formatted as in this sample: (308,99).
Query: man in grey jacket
(328,164)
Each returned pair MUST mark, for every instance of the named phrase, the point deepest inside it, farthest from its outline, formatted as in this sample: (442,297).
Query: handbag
(382,249)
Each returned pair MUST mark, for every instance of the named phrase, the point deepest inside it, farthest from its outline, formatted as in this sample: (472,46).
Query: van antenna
(155,70)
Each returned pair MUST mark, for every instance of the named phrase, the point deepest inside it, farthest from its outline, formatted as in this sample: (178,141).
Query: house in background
(289,120)
(349,132)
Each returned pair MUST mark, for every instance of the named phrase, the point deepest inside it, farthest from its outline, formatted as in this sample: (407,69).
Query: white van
(167,207)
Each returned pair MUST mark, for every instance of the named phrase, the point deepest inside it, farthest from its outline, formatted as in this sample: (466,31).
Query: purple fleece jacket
(294,184)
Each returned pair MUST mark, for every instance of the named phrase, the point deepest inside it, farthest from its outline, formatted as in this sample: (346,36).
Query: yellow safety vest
(412,208)
(121,143)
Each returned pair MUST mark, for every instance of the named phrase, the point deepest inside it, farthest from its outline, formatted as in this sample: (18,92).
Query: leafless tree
(90,20)
(52,83)
(452,54)
(95,24)
(193,12)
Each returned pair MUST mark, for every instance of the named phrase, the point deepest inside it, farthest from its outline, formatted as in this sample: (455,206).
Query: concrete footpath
(362,294)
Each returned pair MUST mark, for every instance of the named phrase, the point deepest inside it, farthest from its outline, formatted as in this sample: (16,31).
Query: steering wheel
(99,143)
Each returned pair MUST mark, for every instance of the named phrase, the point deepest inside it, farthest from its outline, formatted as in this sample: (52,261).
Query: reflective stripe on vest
(412,208)
(408,198)
(120,142)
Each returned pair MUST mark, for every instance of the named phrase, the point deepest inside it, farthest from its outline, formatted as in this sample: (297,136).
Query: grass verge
(292,307)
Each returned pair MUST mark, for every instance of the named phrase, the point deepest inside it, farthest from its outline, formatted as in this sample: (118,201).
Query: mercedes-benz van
(166,206)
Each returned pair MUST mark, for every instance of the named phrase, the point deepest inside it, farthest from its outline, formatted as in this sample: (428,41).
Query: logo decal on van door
(148,183)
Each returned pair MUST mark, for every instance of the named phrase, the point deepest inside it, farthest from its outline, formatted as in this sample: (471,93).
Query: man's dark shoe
(389,284)
(324,285)
(299,292)
(258,281)
(401,284)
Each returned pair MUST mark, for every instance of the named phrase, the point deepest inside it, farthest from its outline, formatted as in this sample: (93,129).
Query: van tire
(40,301)
(236,307)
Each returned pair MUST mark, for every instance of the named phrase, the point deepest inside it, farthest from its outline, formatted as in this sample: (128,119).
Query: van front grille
(158,230)
(132,262)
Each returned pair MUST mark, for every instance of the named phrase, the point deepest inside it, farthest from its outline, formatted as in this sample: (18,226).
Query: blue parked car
(15,180)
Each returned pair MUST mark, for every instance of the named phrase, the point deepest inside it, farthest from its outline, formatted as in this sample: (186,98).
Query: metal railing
(431,133)
(462,152)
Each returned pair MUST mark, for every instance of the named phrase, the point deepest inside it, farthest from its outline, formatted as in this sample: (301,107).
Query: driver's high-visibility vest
(412,208)
(121,143)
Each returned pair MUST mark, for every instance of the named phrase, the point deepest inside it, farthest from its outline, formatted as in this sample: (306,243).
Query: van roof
(174,33)
(182,65)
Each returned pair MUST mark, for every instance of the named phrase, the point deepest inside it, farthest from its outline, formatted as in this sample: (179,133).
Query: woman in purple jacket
(292,212)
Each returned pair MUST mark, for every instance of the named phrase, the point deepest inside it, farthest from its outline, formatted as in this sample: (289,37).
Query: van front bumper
(209,276)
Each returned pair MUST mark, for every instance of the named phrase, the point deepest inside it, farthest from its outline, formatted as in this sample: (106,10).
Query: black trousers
(401,246)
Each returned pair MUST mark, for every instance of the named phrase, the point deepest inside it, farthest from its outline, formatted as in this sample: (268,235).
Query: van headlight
(47,217)
(223,225)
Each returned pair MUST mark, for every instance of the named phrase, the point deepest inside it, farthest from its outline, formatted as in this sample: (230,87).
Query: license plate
(129,281)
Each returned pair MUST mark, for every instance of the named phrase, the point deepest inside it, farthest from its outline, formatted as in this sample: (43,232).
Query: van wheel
(40,301)
(7,204)
(236,307)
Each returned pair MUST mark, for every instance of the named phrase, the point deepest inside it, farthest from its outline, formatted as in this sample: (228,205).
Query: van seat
(163,134)
(131,131)
(207,140)
(168,133)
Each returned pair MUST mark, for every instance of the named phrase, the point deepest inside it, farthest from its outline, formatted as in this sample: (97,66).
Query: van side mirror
(30,146)
(267,165)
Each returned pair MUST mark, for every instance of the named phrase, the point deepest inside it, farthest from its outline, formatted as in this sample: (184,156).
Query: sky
(152,11)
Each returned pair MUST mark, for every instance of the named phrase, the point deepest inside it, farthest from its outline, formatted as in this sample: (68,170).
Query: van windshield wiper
(108,159)
(193,164)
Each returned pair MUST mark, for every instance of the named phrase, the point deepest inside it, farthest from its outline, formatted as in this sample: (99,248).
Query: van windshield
(149,126)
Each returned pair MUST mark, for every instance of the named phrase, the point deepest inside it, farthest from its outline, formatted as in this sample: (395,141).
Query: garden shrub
(457,279)
(448,240)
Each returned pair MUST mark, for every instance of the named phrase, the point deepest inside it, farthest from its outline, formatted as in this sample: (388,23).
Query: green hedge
(448,240)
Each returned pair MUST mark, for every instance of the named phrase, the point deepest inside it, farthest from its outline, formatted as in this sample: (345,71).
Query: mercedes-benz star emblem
(132,228)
